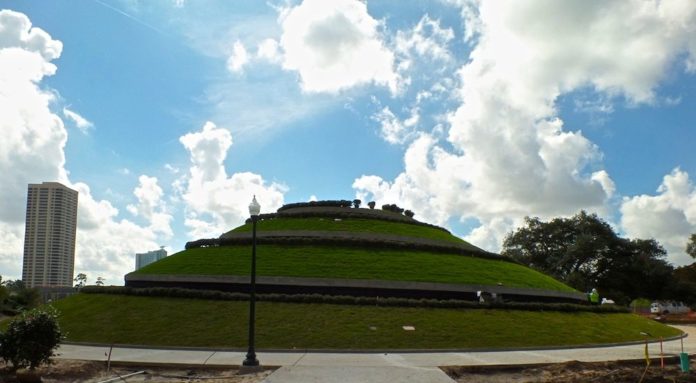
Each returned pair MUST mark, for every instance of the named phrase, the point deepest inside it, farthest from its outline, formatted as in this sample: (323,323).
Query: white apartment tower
(143,259)
(49,236)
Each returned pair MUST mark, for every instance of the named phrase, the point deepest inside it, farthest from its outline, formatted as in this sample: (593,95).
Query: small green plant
(31,338)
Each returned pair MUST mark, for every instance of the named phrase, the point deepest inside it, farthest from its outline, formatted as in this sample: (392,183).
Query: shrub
(392,208)
(31,339)
(409,213)
(371,204)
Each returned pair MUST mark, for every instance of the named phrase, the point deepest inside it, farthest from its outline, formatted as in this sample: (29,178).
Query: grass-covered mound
(328,247)
(213,323)
(352,263)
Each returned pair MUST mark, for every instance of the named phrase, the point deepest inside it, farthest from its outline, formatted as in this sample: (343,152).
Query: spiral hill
(338,248)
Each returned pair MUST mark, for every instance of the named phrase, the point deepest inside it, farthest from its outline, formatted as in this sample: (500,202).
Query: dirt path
(574,372)
(63,371)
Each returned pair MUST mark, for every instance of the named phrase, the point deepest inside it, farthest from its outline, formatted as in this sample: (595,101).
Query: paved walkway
(376,367)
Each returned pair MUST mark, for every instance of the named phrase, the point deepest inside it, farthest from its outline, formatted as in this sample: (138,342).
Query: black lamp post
(254,210)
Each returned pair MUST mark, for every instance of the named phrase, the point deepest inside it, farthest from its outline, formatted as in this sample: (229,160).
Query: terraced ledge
(269,284)
(349,238)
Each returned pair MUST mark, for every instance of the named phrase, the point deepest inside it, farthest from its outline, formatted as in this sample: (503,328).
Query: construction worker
(594,297)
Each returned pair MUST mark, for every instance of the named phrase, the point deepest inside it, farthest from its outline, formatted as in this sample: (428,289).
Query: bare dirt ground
(574,372)
(64,371)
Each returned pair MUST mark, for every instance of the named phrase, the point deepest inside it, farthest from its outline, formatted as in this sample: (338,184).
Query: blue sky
(168,115)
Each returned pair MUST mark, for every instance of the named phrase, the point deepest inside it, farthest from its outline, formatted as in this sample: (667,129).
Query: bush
(31,339)
(371,204)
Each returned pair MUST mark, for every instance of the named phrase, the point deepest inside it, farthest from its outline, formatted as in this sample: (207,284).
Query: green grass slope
(202,323)
(352,263)
(358,225)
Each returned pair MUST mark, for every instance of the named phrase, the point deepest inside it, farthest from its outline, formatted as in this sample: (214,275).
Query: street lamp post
(254,210)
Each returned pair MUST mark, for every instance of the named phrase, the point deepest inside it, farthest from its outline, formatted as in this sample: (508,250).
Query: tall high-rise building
(49,236)
(142,259)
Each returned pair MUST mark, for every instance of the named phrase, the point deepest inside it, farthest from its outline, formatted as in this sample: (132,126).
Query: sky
(168,116)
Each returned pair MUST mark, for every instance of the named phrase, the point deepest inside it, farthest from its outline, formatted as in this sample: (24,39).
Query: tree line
(584,252)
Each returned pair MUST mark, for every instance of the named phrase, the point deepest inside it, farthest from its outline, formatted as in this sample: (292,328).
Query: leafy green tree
(80,280)
(19,297)
(31,338)
(585,252)
(691,246)
(100,281)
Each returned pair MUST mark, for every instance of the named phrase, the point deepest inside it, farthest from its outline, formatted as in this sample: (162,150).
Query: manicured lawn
(351,224)
(203,323)
(352,263)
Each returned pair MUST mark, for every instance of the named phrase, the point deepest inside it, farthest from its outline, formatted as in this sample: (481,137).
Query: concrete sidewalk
(375,367)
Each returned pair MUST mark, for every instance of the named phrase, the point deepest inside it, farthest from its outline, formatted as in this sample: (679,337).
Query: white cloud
(426,39)
(106,245)
(669,217)
(335,45)
(151,205)
(33,138)
(16,32)
(508,153)
(32,151)
(82,123)
(239,58)
(216,202)
(392,129)
(268,50)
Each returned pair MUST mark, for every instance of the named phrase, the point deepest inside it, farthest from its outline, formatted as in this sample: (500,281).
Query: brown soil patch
(573,372)
(63,371)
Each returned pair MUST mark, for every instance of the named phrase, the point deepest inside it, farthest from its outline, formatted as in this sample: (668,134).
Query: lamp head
(254,207)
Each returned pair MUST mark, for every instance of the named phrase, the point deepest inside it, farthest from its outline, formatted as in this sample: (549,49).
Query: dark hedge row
(351,213)
(376,243)
(328,203)
(351,300)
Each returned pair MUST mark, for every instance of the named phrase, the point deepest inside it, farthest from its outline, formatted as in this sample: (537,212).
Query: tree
(585,252)
(691,246)
(356,203)
(19,297)
(100,281)
(80,280)
(31,338)
(371,204)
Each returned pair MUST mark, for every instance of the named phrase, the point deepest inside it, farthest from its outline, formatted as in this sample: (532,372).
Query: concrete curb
(381,351)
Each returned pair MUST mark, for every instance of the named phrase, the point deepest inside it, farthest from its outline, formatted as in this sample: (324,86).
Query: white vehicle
(668,308)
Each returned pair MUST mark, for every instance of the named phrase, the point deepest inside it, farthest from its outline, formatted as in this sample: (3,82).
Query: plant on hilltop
(31,338)
(80,280)
(371,204)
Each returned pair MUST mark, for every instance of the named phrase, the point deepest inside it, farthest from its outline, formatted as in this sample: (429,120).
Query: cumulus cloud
(239,58)
(335,45)
(394,130)
(669,216)
(268,50)
(32,151)
(427,38)
(151,205)
(508,153)
(33,137)
(106,245)
(215,201)
(82,123)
